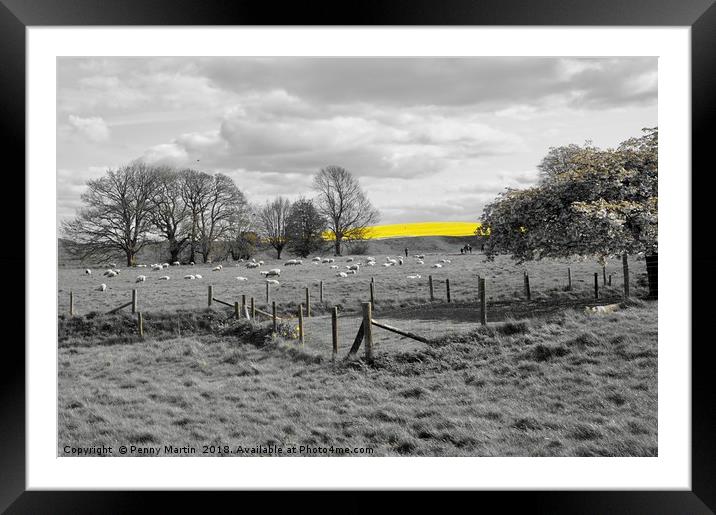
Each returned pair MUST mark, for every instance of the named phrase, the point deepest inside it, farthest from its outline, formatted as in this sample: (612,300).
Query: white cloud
(93,128)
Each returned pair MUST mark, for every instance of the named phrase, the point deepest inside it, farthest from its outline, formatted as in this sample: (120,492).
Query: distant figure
(406,251)
(482,247)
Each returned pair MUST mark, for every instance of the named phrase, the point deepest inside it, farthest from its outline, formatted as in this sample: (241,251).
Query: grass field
(569,384)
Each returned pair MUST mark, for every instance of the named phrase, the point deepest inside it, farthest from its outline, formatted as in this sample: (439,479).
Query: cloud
(93,128)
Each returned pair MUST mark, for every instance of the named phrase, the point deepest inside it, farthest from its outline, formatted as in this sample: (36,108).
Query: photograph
(409,256)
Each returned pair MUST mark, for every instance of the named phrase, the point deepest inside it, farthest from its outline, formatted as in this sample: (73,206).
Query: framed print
(411,248)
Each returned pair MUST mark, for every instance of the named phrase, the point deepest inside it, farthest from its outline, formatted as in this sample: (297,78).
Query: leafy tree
(115,217)
(304,228)
(343,203)
(600,203)
(273,218)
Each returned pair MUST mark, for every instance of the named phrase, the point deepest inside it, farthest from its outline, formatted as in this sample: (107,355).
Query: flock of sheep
(352,268)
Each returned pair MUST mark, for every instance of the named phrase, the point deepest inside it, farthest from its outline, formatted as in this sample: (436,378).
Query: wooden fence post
(243,304)
(596,286)
(267,292)
(610,279)
(483,303)
(236,310)
(273,316)
(334,332)
(140,324)
(320,292)
(625,265)
(134,301)
(72,304)
(368,329)
(569,279)
(372,293)
(528,292)
(253,309)
(447,289)
(210,294)
(430,285)
(300,323)
(308,302)
(604,276)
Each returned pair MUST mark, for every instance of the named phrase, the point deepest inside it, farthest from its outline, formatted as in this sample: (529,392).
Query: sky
(430,139)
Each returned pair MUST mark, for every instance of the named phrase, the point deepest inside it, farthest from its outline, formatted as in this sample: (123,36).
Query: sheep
(334,266)
(110,273)
(317,259)
(165,265)
(416,276)
(176,263)
(252,265)
(370,263)
(354,267)
(437,265)
(141,279)
(275,271)
(420,262)
(419,256)
(190,277)
(141,266)
(241,278)
(157,267)
(387,264)
(113,265)
(352,272)
(273,281)
(88,271)
(445,261)
(216,269)
(609,308)
(116,271)
(191,263)
(349,260)
(292,262)
(261,262)
(263,272)
(341,274)
(392,261)
(197,276)
(164,278)
(316,263)
(102,287)
(370,258)
(331,260)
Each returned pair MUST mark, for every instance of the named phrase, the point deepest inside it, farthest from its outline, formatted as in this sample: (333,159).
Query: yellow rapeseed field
(418,229)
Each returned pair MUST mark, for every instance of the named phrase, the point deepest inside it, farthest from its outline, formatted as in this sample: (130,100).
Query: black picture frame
(700,15)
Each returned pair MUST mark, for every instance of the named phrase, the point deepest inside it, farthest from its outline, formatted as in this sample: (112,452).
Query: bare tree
(343,203)
(273,218)
(169,213)
(195,190)
(116,215)
(217,209)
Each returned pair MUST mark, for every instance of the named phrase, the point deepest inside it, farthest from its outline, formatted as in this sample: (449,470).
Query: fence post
(300,323)
(483,304)
(596,286)
(308,302)
(273,315)
(625,265)
(140,324)
(236,310)
(72,304)
(334,332)
(372,293)
(430,284)
(604,276)
(447,289)
(267,292)
(368,329)
(243,304)
(253,309)
(569,279)
(134,301)
(210,294)
(528,293)
(320,292)
(610,279)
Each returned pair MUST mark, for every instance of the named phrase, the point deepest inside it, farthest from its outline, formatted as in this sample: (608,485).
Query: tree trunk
(652,274)
(130,258)
(278,252)
(338,246)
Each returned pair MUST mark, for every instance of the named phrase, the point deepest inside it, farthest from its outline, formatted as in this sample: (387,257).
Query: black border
(700,15)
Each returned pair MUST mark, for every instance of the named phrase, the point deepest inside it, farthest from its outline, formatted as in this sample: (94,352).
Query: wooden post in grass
(140,324)
(308,302)
(430,285)
(134,301)
(604,275)
(334,330)
(72,304)
(447,289)
(273,316)
(253,309)
(372,294)
(596,285)
(243,304)
(320,292)
(610,279)
(569,279)
(483,304)
(267,292)
(237,313)
(528,293)
(625,265)
(300,323)
(210,294)
(368,329)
